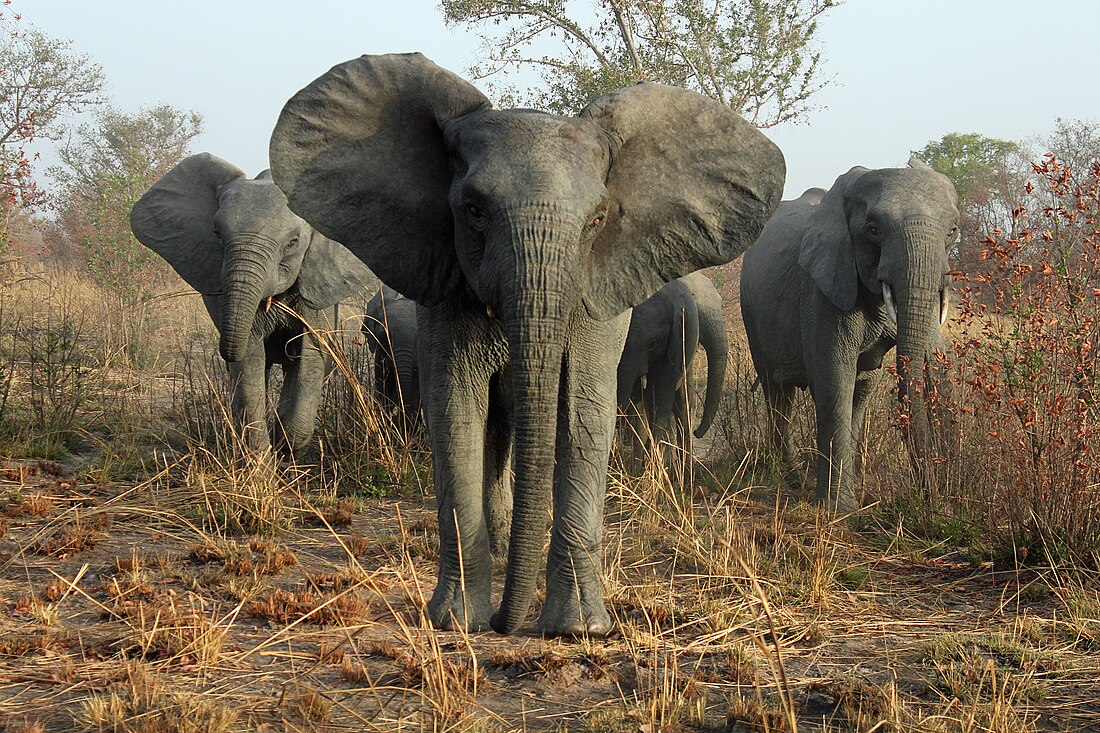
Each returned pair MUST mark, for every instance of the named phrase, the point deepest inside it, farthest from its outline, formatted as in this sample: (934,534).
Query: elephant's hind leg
(864,386)
(780,399)
(303,381)
(498,465)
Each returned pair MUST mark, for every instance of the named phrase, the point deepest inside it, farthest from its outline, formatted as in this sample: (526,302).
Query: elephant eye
(473,210)
(595,223)
(874,231)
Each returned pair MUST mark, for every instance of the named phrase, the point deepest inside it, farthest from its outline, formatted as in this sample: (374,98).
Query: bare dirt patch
(731,616)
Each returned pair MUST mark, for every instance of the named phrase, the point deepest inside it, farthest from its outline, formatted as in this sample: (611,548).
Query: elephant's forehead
(908,192)
(253,201)
(528,138)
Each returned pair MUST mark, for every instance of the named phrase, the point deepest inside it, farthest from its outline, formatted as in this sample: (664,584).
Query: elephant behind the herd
(526,237)
(389,325)
(665,333)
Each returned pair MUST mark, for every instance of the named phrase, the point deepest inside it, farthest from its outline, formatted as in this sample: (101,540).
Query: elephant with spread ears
(665,333)
(266,278)
(836,280)
(525,237)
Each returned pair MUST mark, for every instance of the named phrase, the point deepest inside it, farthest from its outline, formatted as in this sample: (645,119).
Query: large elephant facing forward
(526,238)
(263,273)
(665,333)
(837,279)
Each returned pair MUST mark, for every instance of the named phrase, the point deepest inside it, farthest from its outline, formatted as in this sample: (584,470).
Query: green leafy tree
(41,79)
(756,56)
(106,166)
(990,176)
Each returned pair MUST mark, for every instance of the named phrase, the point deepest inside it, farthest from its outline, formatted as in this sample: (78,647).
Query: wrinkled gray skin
(814,292)
(525,238)
(263,274)
(665,332)
(389,325)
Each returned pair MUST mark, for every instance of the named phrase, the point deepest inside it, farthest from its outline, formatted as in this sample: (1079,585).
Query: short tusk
(891,307)
(945,302)
(267,303)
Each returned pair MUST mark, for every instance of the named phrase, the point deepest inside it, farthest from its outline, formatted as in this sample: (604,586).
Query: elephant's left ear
(330,273)
(690,186)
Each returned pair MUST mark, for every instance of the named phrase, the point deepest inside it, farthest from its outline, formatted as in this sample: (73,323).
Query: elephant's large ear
(691,185)
(330,273)
(828,252)
(175,219)
(360,154)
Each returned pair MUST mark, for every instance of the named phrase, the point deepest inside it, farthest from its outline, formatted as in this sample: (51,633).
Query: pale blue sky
(904,71)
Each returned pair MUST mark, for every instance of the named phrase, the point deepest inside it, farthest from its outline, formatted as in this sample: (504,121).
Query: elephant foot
(449,610)
(838,502)
(571,616)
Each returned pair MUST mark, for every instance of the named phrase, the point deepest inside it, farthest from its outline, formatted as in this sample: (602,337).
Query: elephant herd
(513,245)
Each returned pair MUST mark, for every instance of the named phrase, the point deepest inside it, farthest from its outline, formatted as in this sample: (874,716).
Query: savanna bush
(1025,374)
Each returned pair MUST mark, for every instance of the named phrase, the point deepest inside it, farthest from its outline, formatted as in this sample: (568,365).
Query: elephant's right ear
(175,219)
(360,154)
(827,252)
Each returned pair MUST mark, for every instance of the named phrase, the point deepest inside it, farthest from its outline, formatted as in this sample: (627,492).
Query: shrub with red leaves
(1026,373)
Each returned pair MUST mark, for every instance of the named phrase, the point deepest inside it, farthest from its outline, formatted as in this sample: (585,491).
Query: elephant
(665,332)
(389,326)
(836,280)
(525,238)
(266,279)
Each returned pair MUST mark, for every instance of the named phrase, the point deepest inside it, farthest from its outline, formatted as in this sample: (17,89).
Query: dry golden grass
(182,585)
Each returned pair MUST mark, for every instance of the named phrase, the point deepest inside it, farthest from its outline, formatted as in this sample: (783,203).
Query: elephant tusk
(945,302)
(267,303)
(891,307)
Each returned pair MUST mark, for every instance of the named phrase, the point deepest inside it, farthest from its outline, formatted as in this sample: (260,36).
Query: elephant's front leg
(574,592)
(834,392)
(248,382)
(303,381)
(464,349)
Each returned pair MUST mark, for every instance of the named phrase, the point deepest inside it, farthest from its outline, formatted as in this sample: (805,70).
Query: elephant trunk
(535,316)
(245,275)
(918,308)
(407,379)
(712,335)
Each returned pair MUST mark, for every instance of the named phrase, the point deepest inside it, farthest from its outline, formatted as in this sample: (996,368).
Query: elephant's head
(887,232)
(235,238)
(534,215)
